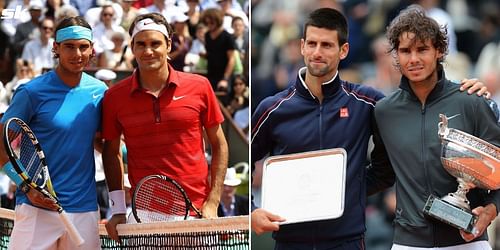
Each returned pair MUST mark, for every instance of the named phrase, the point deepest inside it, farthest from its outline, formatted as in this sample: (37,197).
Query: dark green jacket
(409,131)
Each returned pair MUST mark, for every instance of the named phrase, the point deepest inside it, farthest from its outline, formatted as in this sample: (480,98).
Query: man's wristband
(9,170)
(117,202)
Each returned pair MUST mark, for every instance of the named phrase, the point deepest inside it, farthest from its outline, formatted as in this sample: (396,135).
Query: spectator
(39,50)
(54,7)
(166,8)
(119,57)
(239,95)
(181,41)
(220,48)
(194,14)
(208,4)
(28,30)
(488,68)
(66,11)
(240,36)
(232,204)
(230,13)
(105,29)
(24,73)
(194,62)
(386,78)
(82,5)
(129,13)
(93,15)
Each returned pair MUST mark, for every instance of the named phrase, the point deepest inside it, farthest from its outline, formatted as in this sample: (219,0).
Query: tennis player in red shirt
(162,114)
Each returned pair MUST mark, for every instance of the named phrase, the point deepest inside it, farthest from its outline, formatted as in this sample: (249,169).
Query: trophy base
(450,214)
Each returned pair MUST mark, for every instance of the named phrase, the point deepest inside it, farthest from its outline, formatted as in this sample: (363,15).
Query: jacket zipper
(424,157)
(321,126)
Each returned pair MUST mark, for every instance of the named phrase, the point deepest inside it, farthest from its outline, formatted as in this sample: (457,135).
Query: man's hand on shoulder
(475,86)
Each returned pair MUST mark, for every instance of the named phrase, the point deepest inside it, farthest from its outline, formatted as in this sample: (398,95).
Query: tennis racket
(28,159)
(159,198)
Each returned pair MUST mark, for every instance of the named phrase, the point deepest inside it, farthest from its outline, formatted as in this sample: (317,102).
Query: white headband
(149,24)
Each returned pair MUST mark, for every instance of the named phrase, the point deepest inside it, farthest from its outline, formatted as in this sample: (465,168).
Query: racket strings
(27,154)
(160,200)
(29,158)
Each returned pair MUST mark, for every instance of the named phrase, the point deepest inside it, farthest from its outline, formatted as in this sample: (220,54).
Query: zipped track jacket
(409,131)
(294,121)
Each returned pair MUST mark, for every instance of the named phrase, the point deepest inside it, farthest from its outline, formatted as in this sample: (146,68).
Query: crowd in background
(223,25)
(474,52)
(26,51)
(473,28)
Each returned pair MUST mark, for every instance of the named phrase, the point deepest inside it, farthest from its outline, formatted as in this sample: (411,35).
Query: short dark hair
(40,25)
(414,20)
(236,18)
(72,21)
(330,19)
(157,18)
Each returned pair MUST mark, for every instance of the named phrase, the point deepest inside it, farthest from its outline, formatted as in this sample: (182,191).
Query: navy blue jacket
(294,121)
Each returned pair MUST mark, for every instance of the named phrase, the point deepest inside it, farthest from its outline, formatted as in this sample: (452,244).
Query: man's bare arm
(217,170)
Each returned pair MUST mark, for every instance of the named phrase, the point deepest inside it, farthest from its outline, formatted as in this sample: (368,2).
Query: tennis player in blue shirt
(63,108)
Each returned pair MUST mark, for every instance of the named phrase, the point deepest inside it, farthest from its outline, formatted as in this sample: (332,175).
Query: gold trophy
(475,163)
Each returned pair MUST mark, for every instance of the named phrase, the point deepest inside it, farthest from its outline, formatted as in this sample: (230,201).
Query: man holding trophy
(431,161)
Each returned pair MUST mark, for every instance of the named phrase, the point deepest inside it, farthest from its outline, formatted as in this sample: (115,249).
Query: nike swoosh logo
(112,203)
(175,98)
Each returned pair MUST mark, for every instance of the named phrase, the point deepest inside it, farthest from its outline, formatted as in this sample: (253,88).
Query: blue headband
(73,32)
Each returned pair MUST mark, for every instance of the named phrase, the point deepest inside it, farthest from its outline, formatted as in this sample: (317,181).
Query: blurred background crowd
(27,33)
(473,28)
(209,36)
(474,52)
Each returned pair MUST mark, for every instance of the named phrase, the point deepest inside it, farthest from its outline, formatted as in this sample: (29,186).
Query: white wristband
(117,202)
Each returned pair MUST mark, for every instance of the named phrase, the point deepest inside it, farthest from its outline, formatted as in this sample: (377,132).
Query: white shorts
(36,228)
(477,245)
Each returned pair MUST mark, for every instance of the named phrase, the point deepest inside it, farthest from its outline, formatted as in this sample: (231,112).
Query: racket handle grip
(73,233)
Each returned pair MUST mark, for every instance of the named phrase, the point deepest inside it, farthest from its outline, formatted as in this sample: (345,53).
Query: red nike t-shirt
(164,135)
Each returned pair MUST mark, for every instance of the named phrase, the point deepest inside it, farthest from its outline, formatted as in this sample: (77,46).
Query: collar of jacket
(329,88)
(435,93)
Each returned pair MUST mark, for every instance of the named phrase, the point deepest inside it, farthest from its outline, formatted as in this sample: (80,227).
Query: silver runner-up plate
(306,186)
